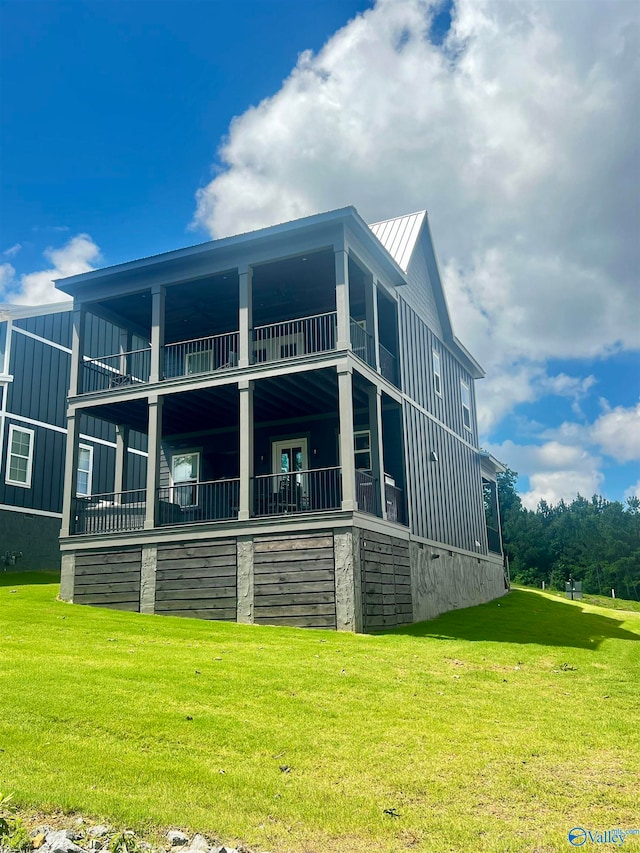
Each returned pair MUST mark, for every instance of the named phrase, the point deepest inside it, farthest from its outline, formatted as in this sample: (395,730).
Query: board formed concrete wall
(443,580)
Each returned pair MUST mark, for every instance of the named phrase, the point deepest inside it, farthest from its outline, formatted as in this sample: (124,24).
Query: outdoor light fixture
(435,556)
(433,456)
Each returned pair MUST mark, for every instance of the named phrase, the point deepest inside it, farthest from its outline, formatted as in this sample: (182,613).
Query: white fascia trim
(42,340)
(25,510)
(23,312)
(32,422)
(111,444)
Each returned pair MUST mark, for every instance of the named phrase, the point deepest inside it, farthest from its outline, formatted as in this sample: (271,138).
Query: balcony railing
(299,491)
(368,493)
(110,512)
(188,503)
(362,343)
(200,355)
(120,370)
(388,365)
(394,502)
(292,338)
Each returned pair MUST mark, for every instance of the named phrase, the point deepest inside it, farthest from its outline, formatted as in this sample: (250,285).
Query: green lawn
(497,728)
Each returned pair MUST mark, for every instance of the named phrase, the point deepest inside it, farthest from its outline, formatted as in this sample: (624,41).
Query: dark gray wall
(36,536)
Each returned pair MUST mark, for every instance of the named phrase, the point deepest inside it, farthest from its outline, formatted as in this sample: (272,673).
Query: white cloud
(77,256)
(13,250)
(556,470)
(617,432)
(7,276)
(520,136)
(633,491)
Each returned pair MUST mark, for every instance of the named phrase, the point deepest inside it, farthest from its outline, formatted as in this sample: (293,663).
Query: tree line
(595,541)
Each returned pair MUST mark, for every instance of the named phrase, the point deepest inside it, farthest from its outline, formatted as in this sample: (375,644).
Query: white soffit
(399,236)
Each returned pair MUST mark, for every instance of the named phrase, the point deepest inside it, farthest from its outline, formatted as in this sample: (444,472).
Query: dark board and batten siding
(386,581)
(418,342)
(445,495)
(294,581)
(109,579)
(198,580)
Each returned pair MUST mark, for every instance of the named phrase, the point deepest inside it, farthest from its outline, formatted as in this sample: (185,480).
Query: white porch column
(245,315)
(345,409)
(153,461)
(246,449)
(77,350)
(70,473)
(122,459)
(377,447)
(157,332)
(342,300)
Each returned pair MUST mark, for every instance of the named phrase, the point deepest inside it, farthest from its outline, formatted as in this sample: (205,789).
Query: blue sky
(130,128)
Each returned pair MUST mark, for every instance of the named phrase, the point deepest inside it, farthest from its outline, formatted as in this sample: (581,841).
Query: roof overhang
(233,246)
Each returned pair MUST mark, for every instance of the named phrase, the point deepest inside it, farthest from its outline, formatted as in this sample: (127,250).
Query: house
(310,423)
(35,357)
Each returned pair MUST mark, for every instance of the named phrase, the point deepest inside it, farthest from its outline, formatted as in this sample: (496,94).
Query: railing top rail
(295,320)
(205,338)
(293,473)
(384,349)
(117,354)
(109,494)
(200,483)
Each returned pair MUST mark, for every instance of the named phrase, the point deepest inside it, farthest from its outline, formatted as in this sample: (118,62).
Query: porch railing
(495,546)
(362,343)
(298,491)
(187,503)
(200,355)
(110,512)
(116,371)
(367,493)
(394,502)
(388,365)
(291,338)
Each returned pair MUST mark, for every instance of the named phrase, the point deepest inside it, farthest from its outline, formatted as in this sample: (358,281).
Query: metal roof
(399,236)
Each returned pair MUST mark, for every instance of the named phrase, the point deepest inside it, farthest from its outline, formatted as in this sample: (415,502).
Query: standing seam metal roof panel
(399,236)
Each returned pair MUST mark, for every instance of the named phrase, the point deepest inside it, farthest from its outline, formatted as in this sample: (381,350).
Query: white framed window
(85,471)
(185,476)
(20,456)
(362,449)
(437,372)
(466,404)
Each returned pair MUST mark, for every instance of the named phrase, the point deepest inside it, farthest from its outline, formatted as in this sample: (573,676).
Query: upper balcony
(277,312)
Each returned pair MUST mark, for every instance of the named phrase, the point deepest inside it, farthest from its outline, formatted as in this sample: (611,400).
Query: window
(20,457)
(437,375)
(466,404)
(85,471)
(362,450)
(185,475)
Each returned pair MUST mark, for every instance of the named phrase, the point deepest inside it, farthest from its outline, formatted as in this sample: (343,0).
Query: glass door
(288,458)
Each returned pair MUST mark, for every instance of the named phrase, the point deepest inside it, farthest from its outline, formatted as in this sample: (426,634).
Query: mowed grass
(496,728)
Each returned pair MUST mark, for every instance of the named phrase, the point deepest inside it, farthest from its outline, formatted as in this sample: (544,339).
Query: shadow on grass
(28,578)
(524,617)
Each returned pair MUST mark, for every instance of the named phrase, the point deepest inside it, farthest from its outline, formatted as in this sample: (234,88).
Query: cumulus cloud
(556,471)
(617,432)
(77,256)
(633,491)
(518,133)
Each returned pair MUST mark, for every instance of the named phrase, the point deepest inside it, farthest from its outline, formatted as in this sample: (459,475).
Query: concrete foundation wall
(443,580)
(35,535)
